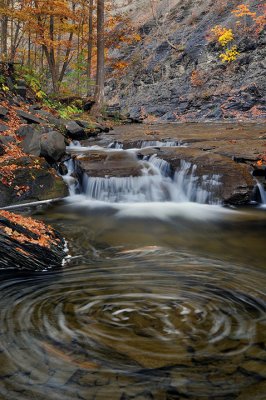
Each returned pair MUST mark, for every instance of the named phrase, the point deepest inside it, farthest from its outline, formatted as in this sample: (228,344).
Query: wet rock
(237,149)
(235,181)
(28,245)
(114,164)
(29,118)
(52,145)
(254,368)
(254,391)
(62,169)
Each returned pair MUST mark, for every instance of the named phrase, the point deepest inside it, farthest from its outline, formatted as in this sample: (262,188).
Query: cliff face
(174,72)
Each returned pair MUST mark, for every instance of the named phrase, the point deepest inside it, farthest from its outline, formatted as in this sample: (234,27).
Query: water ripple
(148,318)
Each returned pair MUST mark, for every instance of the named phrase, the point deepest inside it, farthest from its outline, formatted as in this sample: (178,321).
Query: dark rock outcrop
(174,72)
(28,245)
(29,180)
(29,118)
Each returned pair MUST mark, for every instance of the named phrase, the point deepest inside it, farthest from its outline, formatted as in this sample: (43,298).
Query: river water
(160,300)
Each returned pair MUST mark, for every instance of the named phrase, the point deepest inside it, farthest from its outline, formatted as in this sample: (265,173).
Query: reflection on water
(158,302)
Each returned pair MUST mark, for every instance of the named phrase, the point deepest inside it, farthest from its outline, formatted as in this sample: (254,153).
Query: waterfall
(157,182)
(69,178)
(262,193)
(154,185)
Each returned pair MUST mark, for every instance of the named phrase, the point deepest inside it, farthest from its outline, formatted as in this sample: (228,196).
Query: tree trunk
(29,50)
(4,32)
(90,45)
(99,91)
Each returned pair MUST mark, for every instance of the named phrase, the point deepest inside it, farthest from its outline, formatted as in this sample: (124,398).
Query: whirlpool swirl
(133,325)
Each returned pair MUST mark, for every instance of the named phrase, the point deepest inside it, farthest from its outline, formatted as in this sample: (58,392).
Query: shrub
(229,55)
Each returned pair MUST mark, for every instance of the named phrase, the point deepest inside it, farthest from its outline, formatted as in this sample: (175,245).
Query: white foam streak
(157,210)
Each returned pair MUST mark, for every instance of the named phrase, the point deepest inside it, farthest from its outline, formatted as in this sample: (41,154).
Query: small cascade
(262,193)
(115,145)
(157,143)
(196,189)
(163,166)
(155,181)
(69,178)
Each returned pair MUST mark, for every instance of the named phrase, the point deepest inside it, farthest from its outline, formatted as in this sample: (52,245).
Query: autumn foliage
(247,23)
(57,38)
(40,234)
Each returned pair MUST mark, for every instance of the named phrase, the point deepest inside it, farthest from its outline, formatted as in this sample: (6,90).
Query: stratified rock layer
(28,245)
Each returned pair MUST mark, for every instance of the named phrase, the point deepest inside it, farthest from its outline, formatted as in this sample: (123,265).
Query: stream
(163,297)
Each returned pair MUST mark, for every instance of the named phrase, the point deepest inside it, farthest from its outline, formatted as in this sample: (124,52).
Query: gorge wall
(174,72)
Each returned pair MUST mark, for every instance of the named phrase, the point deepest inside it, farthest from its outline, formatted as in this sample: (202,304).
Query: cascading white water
(157,182)
(159,143)
(148,143)
(115,145)
(154,185)
(69,178)
(262,193)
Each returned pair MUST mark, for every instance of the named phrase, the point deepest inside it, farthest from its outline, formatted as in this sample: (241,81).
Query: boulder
(75,131)
(40,141)
(30,180)
(32,142)
(26,130)
(29,118)
(53,145)
(28,245)
(103,164)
